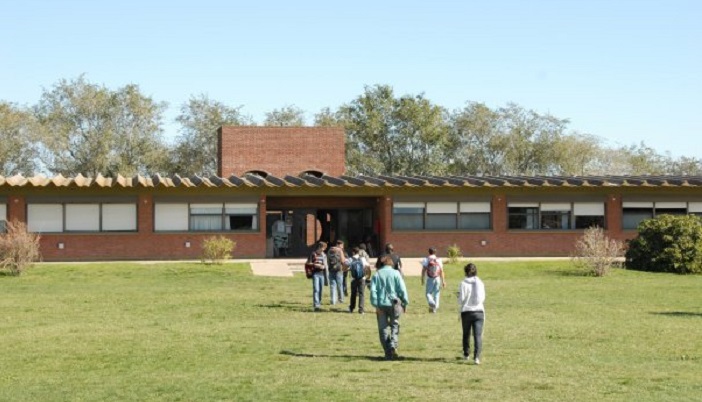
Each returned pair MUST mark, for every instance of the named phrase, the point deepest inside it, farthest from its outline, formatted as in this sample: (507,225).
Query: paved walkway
(411,266)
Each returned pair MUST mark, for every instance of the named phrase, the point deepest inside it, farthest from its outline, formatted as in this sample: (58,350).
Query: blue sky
(626,71)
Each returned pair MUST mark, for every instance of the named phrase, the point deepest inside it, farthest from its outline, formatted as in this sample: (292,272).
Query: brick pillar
(262,214)
(145,214)
(499,213)
(613,215)
(16,209)
(384,213)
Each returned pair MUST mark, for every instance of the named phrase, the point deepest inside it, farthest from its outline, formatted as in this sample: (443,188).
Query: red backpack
(433,268)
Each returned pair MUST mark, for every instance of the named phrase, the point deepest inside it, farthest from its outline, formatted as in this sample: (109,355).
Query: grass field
(188,332)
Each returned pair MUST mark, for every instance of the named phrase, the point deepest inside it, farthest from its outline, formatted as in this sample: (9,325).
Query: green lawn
(188,332)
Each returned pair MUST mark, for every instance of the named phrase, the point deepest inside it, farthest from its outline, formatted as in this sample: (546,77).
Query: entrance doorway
(293,232)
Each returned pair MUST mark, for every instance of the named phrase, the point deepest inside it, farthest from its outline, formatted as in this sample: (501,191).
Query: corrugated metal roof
(307,180)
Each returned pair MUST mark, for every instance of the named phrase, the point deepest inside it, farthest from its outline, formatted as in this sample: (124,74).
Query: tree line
(79,127)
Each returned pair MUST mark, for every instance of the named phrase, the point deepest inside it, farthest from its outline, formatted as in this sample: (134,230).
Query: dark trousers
(473,321)
(358,287)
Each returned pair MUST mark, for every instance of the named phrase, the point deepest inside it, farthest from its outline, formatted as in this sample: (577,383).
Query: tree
(529,136)
(668,243)
(481,144)
(90,129)
(19,149)
(574,154)
(287,116)
(643,159)
(405,136)
(685,166)
(195,151)
(327,118)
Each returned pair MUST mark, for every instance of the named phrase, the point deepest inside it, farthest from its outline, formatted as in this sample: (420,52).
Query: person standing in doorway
(471,295)
(433,272)
(320,274)
(390,299)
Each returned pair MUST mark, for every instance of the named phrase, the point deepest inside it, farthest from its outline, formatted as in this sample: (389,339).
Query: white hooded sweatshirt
(471,294)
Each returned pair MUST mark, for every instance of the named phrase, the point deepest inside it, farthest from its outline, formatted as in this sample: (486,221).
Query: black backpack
(356,268)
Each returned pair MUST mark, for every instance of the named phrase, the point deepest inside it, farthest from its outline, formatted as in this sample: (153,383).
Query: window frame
(651,210)
(76,217)
(554,215)
(181,216)
(439,215)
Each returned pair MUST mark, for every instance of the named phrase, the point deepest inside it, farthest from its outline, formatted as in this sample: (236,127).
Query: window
(635,212)
(45,218)
(523,216)
(408,216)
(555,215)
(694,208)
(441,216)
(81,217)
(589,214)
(205,217)
(3,218)
(474,215)
(170,217)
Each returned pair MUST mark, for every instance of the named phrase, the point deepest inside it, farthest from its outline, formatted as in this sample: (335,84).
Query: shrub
(216,249)
(18,248)
(595,253)
(454,253)
(668,243)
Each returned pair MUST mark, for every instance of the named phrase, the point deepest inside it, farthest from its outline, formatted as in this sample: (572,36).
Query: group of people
(388,292)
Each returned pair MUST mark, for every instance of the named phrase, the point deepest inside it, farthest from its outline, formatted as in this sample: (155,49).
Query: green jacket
(386,284)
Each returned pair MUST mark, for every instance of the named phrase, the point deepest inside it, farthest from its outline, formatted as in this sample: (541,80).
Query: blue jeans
(336,284)
(433,291)
(472,321)
(317,287)
(388,328)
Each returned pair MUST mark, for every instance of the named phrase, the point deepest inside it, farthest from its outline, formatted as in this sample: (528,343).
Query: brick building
(280,189)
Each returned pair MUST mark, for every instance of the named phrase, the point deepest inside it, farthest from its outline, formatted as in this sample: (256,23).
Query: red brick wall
(281,151)
(146,244)
(498,242)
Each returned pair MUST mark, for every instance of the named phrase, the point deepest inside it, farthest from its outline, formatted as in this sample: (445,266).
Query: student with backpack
(336,258)
(319,275)
(359,269)
(433,271)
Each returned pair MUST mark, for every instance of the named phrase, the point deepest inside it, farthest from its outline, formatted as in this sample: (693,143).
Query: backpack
(433,268)
(356,268)
(333,259)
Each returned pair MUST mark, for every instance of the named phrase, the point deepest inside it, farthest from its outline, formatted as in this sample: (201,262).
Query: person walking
(335,258)
(320,274)
(396,260)
(360,270)
(390,299)
(471,295)
(433,272)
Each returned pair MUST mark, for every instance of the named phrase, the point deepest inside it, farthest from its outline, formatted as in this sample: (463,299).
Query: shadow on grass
(678,314)
(373,358)
(567,272)
(304,308)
